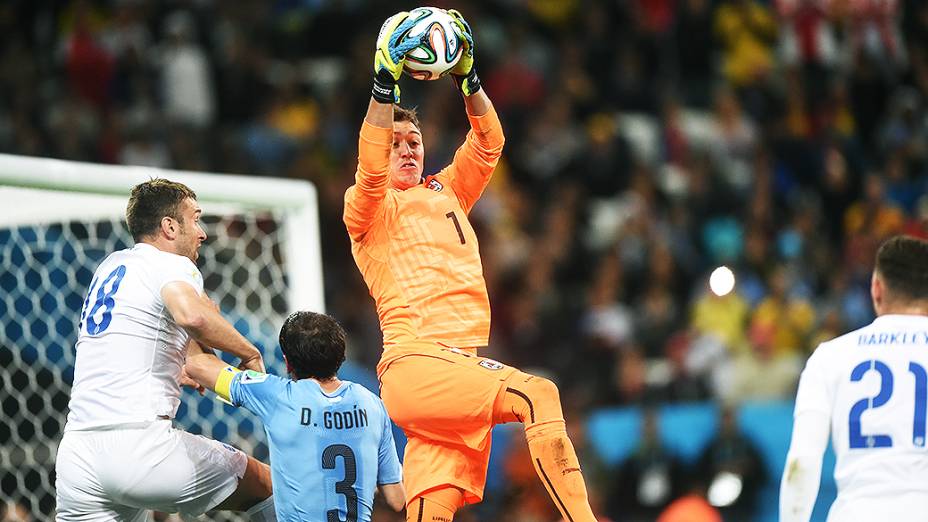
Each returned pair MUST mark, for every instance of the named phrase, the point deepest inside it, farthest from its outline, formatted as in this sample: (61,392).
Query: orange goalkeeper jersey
(416,248)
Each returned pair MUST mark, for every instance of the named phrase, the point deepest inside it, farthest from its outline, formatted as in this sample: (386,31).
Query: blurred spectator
(747,30)
(648,480)
(607,322)
(807,37)
(724,317)
(874,31)
(687,381)
(594,469)
(186,82)
(552,142)
(873,215)
(605,158)
(904,135)
(762,373)
(141,148)
(89,64)
(787,317)
(733,470)
(734,138)
(693,42)
(869,91)
(630,380)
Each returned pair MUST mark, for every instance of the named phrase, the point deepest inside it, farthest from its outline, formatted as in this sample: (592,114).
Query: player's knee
(542,390)
(540,400)
(253,487)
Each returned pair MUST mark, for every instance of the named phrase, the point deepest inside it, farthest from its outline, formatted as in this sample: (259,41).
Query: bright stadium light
(721,281)
(725,489)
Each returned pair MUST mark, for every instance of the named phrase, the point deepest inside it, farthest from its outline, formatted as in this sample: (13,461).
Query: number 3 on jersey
(856,439)
(104,300)
(346,485)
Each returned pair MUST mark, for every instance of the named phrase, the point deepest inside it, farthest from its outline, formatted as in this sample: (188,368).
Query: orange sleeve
(475,161)
(364,199)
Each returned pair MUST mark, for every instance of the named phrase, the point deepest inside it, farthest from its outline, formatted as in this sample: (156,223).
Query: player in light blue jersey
(869,389)
(331,441)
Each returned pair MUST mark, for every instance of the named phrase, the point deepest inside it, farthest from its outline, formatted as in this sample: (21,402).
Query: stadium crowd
(648,142)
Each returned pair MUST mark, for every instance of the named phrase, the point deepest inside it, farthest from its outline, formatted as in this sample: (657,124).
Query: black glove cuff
(384,85)
(473,82)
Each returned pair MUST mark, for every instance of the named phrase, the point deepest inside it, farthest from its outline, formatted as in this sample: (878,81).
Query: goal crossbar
(297,199)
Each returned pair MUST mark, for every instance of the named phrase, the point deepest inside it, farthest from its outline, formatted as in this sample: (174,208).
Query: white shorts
(121,473)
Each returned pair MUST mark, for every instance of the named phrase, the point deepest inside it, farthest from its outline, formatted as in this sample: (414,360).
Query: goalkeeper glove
(464,74)
(392,46)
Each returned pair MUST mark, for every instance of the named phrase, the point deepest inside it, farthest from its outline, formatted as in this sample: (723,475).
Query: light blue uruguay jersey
(329,451)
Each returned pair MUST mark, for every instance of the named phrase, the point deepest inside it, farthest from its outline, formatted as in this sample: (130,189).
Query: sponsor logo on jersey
(434,184)
(490,364)
(252,377)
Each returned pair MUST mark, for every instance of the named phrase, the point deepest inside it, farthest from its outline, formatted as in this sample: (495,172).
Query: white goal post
(59,219)
(296,198)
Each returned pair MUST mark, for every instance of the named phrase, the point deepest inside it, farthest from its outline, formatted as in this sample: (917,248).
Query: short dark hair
(902,263)
(151,201)
(314,345)
(402,114)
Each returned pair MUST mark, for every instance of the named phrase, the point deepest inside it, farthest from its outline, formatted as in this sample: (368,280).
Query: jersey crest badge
(253,377)
(490,364)
(434,184)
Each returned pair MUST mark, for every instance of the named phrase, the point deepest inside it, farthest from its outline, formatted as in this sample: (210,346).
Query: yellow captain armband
(224,382)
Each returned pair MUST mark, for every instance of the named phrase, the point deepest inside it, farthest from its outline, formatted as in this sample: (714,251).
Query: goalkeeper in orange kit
(418,253)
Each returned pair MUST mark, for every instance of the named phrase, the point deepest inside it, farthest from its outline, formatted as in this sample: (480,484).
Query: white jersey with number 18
(129,349)
(873,383)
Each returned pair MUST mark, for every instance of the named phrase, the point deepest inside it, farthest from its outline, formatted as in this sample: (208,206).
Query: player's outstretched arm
(206,370)
(476,159)
(200,318)
(363,199)
(394,495)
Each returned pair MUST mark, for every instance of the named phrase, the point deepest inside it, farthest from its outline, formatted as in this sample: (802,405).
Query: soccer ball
(439,53)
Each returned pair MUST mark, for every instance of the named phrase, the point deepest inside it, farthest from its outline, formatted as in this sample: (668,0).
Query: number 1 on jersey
(457,225)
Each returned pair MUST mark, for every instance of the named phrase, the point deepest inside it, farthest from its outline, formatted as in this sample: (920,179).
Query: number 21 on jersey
(104,301)
(858,440)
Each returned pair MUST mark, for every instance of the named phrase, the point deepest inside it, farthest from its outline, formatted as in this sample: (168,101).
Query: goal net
(59,219)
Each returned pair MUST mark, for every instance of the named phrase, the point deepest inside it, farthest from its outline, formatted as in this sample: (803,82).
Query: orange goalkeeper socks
(535,402)
(558,468)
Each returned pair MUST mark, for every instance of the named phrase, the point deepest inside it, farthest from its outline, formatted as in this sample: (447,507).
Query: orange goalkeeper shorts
(444,400)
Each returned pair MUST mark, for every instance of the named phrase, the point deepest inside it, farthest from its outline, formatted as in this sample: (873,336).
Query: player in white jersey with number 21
(120,456)
(870,388)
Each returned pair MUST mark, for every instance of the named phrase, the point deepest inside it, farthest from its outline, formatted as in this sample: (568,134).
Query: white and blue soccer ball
(438,53)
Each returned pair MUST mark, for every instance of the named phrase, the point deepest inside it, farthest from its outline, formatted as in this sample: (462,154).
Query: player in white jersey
(120,457)
(870,387)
